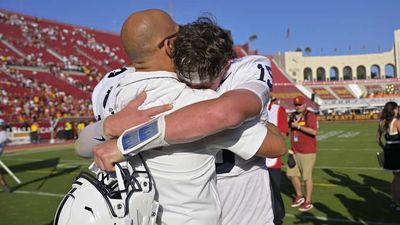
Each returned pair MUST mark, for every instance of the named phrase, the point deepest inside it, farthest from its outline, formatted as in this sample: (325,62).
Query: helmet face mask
(123,197)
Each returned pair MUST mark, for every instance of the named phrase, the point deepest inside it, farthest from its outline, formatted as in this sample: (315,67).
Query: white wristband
(143,137)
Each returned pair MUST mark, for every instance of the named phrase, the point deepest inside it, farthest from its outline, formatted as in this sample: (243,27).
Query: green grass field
(349,188)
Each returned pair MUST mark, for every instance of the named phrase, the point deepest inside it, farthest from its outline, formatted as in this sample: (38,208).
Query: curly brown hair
(201,50)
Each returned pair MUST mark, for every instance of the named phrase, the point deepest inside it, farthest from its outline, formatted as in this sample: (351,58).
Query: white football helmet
(125,197)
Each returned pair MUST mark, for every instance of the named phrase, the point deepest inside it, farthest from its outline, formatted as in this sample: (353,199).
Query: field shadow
(42,164)
(371,200)
(286,185)
(363,189)
(381,185)
(368,201)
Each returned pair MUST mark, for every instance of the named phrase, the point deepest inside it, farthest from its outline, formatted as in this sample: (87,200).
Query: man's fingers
(153,111)
(109,166)
(99,163)
(99,156)
(106,154)
(104,163)
(135,103)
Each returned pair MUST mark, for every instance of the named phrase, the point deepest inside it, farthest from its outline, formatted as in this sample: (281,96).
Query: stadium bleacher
(68,59)
(71,60)
(342,92)
(323,93)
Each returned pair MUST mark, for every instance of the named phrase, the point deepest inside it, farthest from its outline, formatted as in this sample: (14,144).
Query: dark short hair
(203,48)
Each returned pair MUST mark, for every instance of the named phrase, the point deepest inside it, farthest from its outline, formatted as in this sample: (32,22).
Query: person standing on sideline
(277,115)
(34,132)
(303,135)
(3,140)
(389,128)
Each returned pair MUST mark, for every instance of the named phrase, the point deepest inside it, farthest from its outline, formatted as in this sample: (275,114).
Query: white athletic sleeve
(89,137)
(244,141)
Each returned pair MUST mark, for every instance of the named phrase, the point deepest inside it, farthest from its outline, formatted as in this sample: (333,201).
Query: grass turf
(349,187)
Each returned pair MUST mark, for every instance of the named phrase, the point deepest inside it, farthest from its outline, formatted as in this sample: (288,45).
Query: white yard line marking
(38,193)
(348,168)
(50,172)
(350,150)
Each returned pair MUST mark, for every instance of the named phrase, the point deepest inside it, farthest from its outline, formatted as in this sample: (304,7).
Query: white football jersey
(103,90)
(184,175)
(243,74)
(238,178)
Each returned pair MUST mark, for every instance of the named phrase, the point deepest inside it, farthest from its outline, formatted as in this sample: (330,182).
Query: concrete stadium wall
(295,64)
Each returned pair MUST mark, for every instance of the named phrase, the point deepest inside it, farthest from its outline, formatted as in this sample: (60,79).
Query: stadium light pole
(252,38)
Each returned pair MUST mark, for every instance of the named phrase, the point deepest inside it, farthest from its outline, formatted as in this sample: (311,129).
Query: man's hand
(294,124)
(131,116)
(106,155)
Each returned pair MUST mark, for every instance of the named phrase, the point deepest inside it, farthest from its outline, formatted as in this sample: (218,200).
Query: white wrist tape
(143,137)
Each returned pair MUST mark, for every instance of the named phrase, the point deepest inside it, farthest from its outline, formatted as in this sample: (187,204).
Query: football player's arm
(131,116)
(194,121)
(106,154)
(273,145)
(211,116)
(250,139)
(95,134)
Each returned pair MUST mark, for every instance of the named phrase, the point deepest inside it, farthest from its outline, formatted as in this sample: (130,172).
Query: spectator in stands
(3,140)
(34,131)
(389,128)
(69,131)
(81,125)
(303,134)
(277,115)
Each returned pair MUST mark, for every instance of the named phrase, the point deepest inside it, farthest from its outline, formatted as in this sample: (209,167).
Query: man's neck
(150,68)
(154,64)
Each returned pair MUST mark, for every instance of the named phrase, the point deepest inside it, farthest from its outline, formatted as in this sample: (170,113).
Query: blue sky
(349,26)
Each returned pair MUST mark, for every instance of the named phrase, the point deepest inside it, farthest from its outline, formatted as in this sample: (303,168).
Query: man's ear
(169,48)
